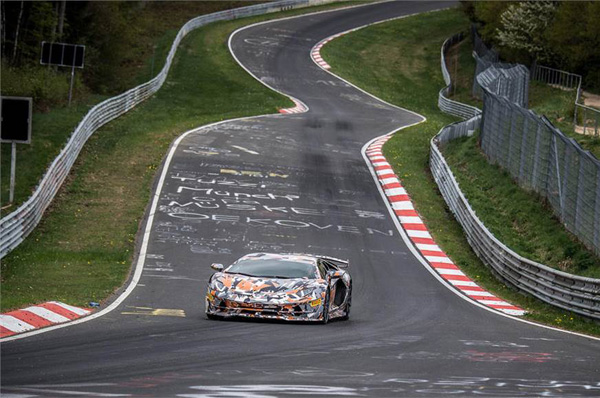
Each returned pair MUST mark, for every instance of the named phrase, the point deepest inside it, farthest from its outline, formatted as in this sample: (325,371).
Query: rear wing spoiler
(338,262)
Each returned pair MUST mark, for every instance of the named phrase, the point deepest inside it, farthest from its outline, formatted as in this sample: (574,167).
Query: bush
(48,87)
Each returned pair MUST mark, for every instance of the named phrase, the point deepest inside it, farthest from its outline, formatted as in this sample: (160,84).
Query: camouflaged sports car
(293,287)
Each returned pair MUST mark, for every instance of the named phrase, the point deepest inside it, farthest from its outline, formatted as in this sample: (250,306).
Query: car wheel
(348,306)
(213,317)
(326,307)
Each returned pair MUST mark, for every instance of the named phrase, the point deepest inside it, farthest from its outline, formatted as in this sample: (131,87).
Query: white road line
(241,148)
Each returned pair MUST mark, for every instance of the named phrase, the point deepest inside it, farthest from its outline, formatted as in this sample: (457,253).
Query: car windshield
(273,268)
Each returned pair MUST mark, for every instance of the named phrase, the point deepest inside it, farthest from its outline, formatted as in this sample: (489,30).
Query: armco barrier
(571,292)
(18,224)
(444,103)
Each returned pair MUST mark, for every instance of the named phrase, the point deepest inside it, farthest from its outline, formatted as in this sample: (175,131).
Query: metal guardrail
(444,103)
(571,292)
(569,81)
(15,227)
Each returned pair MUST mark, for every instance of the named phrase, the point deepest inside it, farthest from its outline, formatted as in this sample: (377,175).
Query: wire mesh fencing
(541,158)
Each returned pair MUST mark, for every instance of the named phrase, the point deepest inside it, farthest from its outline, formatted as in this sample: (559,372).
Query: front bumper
(286,312)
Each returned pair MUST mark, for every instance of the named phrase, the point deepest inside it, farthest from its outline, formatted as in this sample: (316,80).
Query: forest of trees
(120,38)
(559,34)
(104,27)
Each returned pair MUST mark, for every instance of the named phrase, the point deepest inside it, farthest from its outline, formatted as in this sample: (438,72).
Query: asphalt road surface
(294,183)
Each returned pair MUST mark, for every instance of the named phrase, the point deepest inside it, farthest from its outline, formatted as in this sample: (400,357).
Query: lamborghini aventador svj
(293,287)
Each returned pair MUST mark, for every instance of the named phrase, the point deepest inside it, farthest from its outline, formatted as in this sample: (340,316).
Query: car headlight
(316,302)
(210,297)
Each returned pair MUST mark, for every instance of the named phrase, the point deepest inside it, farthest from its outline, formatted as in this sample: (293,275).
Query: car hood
(266,290)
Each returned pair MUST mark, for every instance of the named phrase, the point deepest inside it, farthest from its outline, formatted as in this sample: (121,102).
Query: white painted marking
(69,392)
(522,312)
(77,310)
(386,172)
(462,283)
(418,234)
(385,181)
(437,259)
(445,271)
(476,293)
(410,220)
(494,302)
(47,314)
(395,191)
(433,248)
(241,148)
(14,324)
(403,205)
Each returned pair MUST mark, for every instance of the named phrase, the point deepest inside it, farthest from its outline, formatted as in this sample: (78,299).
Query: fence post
(597,214)
(557,170)
(536,159)
(523,147)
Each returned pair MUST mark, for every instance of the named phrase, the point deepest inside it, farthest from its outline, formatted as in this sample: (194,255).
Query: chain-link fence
(518,127)
(18,224)
(541,158)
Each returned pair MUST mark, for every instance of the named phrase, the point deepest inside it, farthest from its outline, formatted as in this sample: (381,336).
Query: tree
(524,26)
(574,35)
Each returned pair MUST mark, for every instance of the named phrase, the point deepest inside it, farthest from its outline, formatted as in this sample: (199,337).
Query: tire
(213,317)
(348,306)
(326,308)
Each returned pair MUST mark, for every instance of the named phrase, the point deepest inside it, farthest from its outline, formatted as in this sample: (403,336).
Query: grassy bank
(83,248)
(520,219)
(398,61)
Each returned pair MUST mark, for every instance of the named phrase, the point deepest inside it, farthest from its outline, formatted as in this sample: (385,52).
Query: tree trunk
(3,22)
(16,44)
(61,18)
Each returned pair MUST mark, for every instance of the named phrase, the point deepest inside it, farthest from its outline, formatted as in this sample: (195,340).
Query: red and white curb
(316,50)
(38,316)
(419,235)
(299,108)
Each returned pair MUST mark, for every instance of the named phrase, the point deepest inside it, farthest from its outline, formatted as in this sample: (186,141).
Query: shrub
(47,87)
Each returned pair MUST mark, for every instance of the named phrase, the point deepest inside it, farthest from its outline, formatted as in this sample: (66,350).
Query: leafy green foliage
(523,27)
(564,35)
(575,37)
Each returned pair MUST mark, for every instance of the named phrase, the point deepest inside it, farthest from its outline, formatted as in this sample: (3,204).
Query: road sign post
(15,127)
(62,54)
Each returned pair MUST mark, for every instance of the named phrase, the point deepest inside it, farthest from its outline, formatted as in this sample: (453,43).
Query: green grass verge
(398,61)
(522,220)
(83,248)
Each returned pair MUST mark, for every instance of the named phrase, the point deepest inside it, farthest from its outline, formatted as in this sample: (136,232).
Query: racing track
(295,183)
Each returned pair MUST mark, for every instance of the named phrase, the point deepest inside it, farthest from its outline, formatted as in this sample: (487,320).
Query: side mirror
(335,274)
(217,267)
